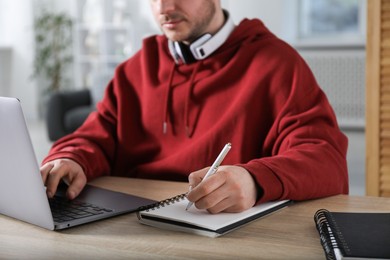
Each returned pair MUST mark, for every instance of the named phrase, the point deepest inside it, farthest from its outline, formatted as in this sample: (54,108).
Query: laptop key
(66,210)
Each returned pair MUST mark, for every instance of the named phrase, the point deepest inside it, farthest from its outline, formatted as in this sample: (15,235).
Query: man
(170,109)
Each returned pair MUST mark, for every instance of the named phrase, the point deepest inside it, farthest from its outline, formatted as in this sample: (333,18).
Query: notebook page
(202,218)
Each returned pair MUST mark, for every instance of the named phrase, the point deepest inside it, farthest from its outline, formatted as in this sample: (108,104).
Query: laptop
(23,194)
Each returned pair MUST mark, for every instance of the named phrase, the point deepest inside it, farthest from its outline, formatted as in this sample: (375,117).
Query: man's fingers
(215,201)
(196,177)
(76,185)
(206,187)
(63,169)
(53,179)
(222,206)
(45,169)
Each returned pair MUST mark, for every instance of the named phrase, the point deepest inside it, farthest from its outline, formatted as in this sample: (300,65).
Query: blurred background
(73,46)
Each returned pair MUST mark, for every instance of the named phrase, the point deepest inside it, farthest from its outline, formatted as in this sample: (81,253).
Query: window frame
(357,38)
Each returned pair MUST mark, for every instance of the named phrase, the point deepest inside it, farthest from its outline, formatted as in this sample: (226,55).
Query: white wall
(144,22)
(2,26)
(16,31)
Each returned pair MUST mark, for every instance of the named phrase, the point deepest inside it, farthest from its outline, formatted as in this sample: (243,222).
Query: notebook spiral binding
(327,237)
(163,203)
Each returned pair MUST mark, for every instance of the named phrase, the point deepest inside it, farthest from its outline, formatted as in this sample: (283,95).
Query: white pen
(214,167)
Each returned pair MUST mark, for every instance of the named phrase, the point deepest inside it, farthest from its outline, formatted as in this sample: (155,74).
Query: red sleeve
(307,149)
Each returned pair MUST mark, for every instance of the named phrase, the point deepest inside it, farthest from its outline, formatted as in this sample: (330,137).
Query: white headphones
(203,47)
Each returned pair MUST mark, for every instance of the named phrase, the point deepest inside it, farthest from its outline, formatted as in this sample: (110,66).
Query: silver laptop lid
(22,193)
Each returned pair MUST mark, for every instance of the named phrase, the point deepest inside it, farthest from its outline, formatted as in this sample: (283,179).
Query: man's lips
(171,24)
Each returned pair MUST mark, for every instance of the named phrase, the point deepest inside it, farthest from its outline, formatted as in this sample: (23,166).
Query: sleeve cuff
(269,184)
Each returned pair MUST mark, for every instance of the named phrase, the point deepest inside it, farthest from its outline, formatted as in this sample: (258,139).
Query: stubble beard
(197,27)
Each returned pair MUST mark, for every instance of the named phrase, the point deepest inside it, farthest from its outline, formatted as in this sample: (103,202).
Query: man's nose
(166,6)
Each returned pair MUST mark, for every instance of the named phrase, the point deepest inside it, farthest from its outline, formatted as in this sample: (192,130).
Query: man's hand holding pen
(231,189)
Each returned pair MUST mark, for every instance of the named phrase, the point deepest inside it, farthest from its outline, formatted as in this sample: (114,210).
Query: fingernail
(71,195)
(49,194)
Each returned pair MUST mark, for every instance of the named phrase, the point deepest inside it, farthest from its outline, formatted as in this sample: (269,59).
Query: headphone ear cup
(180,52)
(174,53)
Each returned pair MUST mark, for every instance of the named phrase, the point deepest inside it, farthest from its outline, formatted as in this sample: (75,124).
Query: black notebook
(171,214)
(354,235)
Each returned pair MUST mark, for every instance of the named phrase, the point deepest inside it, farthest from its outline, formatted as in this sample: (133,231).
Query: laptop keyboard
(65,210)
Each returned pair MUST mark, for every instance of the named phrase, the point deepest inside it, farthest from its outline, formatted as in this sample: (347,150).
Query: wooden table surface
(286,234)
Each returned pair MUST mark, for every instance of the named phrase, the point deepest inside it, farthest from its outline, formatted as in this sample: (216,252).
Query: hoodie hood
(184,85)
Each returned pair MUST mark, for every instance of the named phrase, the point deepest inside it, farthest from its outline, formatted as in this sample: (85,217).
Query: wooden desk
(287,234)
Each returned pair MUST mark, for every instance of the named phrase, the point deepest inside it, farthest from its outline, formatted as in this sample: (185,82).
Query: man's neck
(216,24)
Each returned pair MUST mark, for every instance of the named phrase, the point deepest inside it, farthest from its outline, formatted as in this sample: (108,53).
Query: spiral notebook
(354,235)
(171,214)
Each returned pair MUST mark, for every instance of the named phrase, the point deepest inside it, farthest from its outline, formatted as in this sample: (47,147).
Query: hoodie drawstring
(168,99)
(187,106)
(189,128)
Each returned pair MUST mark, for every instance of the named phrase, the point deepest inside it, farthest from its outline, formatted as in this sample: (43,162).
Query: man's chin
(174,36)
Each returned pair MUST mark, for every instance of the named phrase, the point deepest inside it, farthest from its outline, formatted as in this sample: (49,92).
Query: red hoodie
(161,120)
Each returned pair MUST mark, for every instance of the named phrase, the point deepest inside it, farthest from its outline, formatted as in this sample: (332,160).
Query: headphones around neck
(203,47)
